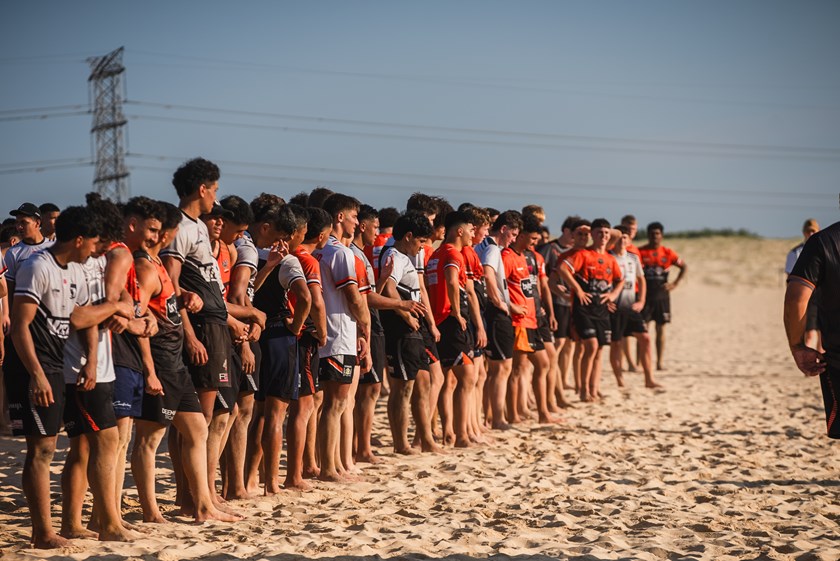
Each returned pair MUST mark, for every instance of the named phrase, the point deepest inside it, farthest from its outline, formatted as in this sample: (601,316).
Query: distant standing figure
(812,334)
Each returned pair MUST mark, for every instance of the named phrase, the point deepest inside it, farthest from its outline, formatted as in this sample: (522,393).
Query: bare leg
(74,485)
(124,426)
(236,449)
(445,404)
(366,398)
(420,397)
(542,364)
(499,373)
(436,376)
(336,395)
(625,346)
(253,450)
(36,488)
(398,414)
(345,452)
(146,441)
(589,348)
(616,360)
(514,390)
(577,357)
(300,412)
(466,378)
(103,446)
(660,346)
(643,343)
(217,423)
(566,353)
(272,442)
(595,376)
(310,457)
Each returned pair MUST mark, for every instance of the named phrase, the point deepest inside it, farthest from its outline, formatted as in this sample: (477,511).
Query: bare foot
(78,534)
(238,495)
(449,439)
(118,534)
(331,476)
(501,426)
(311,473)
(155,519)
(549,420)
(410,451)
(460,443)
(297,484)
(660,366)
(50,541)
(366,458)
(272,489)
(620,381)
(216,514)
(432,448)
(654,386)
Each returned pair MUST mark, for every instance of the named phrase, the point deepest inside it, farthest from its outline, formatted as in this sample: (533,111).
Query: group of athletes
(226,321)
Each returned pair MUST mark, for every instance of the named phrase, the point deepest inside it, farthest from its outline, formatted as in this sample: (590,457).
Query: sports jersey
(167,344)
(407,282)
(634,250)
(792,256)
(57,290)
(225,265)
(536,269)
(338,270)
(366,273)
(247,256)
(126,348)
(74,350)
(631,267)
(596,273)
(475,272)
(553,253)
(521,288)
(657,264)
(419,261)
(373,251)
(312,274)
(491,256)
(199,269)
(19,253)
(273,296)
(444,257)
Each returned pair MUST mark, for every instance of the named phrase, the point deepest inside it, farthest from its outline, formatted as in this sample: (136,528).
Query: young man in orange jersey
(595,279)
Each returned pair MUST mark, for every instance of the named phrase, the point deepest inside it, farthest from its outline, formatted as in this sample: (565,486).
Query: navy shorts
(279,372)
(129,387)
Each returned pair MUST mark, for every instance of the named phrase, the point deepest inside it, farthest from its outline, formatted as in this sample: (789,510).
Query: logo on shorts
(348,371)
(169,414)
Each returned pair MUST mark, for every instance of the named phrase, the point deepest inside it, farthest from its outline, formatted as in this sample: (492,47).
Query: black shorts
(129,387)
(830,383)
(309,364)
(214,373)
(658,310)
(279,372)
(544,330)
(338,368)
(592,322)
(563,315)
(407,356)
(525,339)
(477,351)
(178,397)
(379,361)
(626,323)
(89,412)
(811,315)
(456,344)
(500,336)
(27,418)
(429,341)
(250,383)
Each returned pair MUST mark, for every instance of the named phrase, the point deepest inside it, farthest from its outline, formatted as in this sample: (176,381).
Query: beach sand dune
(730,462)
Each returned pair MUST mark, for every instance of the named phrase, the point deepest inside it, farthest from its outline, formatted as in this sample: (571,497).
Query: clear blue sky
(701,114)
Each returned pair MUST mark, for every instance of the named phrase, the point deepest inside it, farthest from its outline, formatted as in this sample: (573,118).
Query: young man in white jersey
(348,331)
(626,319)
(500,335)
(404,339)
(28,224)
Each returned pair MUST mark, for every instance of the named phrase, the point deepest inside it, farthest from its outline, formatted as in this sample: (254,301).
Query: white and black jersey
(407,281)
(200,270)
(74,352)
(18,253)
(375,321)
(247,256)
(491,255)
(57,290)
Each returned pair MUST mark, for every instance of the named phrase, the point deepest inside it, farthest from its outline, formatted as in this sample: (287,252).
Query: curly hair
(109,215)
(193,174)
(76,221)
(262,205)
(142,207)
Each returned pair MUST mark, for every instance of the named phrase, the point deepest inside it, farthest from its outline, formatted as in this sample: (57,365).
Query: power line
(43,109)
(43,116)
(519,194)
(36,163)
(817,150)
(510,183)
(481,142)
(38,169)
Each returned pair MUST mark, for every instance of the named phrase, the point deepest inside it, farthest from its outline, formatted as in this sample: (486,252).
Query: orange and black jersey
(520,287)
(536,268)
(312,274)
(596,273)
(126,349)
(445,257)
(169,341)
(475,272)
(223,259)
(657,264)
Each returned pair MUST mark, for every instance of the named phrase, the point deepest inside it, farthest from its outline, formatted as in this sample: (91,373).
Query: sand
(730,462)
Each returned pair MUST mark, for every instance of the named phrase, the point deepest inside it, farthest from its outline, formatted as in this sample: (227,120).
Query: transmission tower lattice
(107,92)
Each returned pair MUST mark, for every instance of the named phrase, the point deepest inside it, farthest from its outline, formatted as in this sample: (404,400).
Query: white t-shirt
(19,253)
(338,270)
(631,268)
(247,256)
(404,274)
(74,350)
(491,255)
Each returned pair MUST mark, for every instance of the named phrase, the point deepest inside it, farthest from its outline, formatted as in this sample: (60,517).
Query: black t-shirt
(819,266)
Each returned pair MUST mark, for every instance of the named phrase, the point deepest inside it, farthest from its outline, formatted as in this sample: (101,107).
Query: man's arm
(149,283)
(303,303)
(318,312)
(358,309)
(797,295)
(641,281)
(83,317)
(494,293)
(569,278)
(450,275)
(195,349)
(389,290)
(672,285)
(547,301)
(475,315)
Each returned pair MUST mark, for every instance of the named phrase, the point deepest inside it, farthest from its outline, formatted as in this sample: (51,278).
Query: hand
(196,351)
(461,321)
(809,361)
(153,385)
(638,306)
(562,288)
(516,310)
(552,323)
(413,307)
(239,330)
(413,323)
(669,286)
(249,361)
(41,391)
(191,301)
(481,338)
(611,306)
(435,333)
(258,317)
(322,338)
(388,267)
(86,380)
(362,351)
(7,323)
(125,310)
(255,332)
(585,298)
(151,327)
(116,324)
(276,254)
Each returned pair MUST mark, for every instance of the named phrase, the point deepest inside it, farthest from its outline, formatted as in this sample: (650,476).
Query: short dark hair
(421,202)
(530,224)
(109,215)
(455,219)
(533,209)
(262,205)
(412,221)
(623,229)
(478,217)
(544,230)
(76,221)
(48,207)
(318,220)
(569,223)
(301,216)
(282,218)
(193,174)
(367,212)
(301,199)
(581,222)
(319,195)
(170,215)
(600,223)
(6,233)
(339,202)
(388,217)
(241,210)
(443,210)
(655,226)
(510,218)
(465,205)
(143,208)
(492,211)
(628,219)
